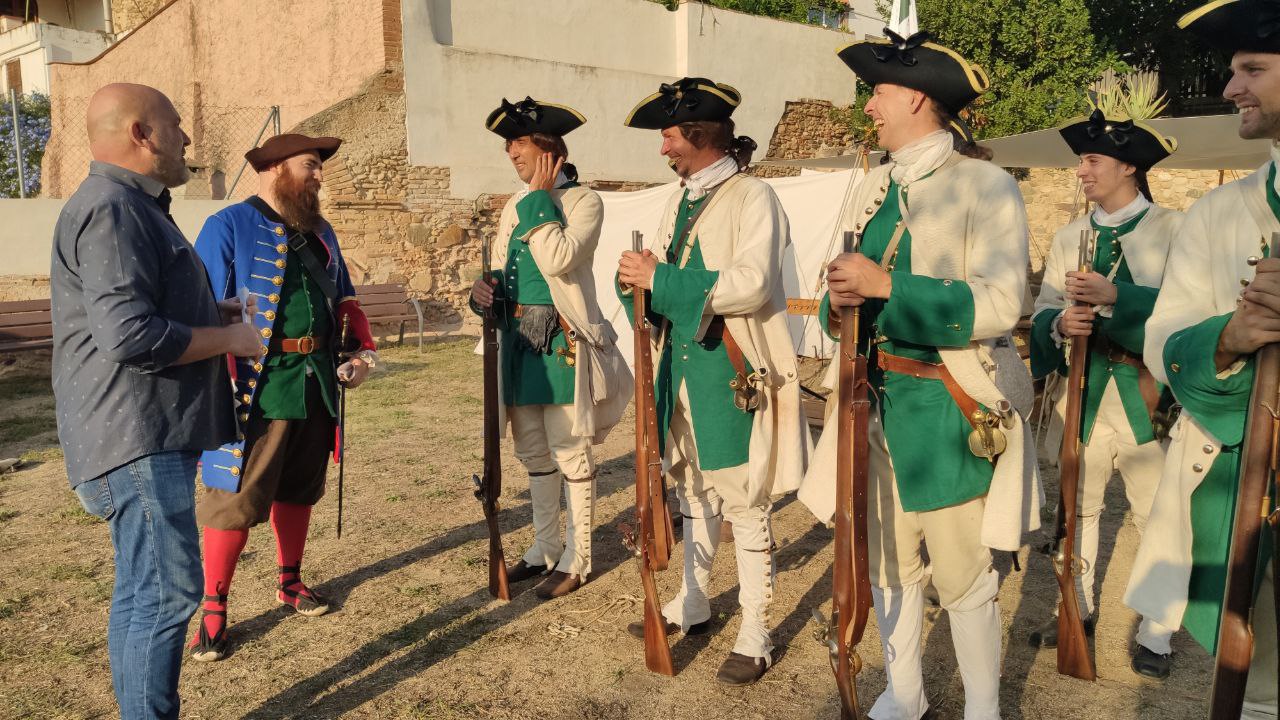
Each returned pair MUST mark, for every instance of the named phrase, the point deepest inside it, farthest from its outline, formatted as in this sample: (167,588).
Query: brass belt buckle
(306,345)
(746,397)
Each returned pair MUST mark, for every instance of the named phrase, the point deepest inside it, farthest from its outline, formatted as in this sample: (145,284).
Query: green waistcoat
(926,433)
(528,377)
(302,311)
(1126,328)
(1220,405)
(721,431)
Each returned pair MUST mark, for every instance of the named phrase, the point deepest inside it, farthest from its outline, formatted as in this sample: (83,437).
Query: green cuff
(535,210)
(681,296)
(1127,326)
(1219,404)
(829,322)
(1046,355)
(928,311)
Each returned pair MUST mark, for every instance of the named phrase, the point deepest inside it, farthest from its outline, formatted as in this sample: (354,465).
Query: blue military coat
(241,247)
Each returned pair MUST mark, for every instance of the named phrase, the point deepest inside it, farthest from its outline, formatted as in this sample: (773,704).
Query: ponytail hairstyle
(719,134)
(1140,177)
(555,145)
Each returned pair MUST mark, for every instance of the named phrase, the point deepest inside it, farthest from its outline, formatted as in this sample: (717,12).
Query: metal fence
(220,136)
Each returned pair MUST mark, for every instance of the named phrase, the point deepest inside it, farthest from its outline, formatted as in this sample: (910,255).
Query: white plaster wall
(26,230)
(601,57)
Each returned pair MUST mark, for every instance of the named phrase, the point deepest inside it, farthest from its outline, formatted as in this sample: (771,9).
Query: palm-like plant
(1135,96)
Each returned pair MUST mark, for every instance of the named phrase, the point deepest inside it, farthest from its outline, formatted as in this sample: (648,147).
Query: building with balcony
(34,33)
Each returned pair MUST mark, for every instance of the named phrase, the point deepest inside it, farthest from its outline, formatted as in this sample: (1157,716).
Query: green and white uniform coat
(1179,573)
(958,286)
(545,244)
(730,266)
(1141,245)
(922,314)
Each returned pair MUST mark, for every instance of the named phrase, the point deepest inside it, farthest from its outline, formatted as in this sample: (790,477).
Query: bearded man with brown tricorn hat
(727,388)
(939,274)
(278,249)
(1215,311)
(564,383)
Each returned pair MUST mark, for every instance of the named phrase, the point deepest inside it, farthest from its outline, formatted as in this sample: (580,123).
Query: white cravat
(921,157)
(702,182)
(1123,215)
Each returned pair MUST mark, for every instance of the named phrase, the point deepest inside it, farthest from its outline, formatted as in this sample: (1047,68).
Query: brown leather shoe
(522,571)
(741,670)
(557,584)
(636,629)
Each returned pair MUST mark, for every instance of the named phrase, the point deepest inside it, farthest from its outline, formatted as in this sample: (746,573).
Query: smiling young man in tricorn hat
(940,273)
(279,248)
(1214,312)
(1121,397)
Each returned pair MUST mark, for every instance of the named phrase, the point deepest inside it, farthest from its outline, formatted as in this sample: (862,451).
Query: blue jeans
(149,506)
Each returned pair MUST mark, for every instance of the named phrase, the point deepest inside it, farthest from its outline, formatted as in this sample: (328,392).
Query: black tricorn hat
(283,147)
(690,99)
(529,116)
(1128,141)
(1237,25)
(914,62)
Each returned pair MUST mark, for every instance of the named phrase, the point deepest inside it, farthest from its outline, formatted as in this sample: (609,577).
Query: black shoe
(522,571)
(1151,663)
(636,629)
(1047,635)
(738,670)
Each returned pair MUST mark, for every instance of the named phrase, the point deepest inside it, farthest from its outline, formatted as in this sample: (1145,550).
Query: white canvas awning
(1209,142)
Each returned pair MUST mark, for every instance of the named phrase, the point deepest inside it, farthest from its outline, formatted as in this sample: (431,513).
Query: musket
(1253,508)
(342,417)
(489,485)
(850,578)
(652,546)
(1073,647)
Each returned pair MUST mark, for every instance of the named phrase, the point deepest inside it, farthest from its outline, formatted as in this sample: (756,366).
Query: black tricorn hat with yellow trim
(1129,141)
(529,116)
(1237,25)
(916,63)
(690,99)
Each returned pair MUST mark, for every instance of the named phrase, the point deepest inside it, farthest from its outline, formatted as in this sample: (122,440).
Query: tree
(1040,55)
(1144,34)
(33,134)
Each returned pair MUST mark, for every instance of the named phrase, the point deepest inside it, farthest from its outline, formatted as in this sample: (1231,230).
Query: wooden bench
(384,304)
(25,325)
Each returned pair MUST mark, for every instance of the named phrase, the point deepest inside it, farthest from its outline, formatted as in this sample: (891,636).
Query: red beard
(298,199)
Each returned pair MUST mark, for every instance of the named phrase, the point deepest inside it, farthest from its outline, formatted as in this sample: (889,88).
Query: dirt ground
(416,634)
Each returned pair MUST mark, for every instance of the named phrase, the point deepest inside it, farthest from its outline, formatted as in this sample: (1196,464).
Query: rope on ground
(615,606)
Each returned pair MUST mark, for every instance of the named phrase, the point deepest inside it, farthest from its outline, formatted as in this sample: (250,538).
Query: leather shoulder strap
(305,246)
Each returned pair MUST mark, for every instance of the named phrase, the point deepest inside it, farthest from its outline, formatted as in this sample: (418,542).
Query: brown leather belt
(717,331)
(302,345)
(1146,381)
(933,371)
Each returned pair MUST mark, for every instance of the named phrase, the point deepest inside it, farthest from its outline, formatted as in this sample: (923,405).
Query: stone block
(419,236)
(452,237)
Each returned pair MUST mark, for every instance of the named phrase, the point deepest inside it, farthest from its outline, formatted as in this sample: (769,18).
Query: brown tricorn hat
(283,147)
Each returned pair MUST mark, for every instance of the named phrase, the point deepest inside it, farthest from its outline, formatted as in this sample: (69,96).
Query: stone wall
(129,14)
(23,287)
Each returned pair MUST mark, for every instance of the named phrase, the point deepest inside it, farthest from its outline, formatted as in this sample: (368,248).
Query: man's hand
(1076,321)
(1090,287)
(353,372)
(243,340)
(1256,321)
(230,309)
(482,292)
(853,278)
(545,171)
(637,269)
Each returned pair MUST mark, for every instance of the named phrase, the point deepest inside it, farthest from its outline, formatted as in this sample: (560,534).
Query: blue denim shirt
(126,289)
